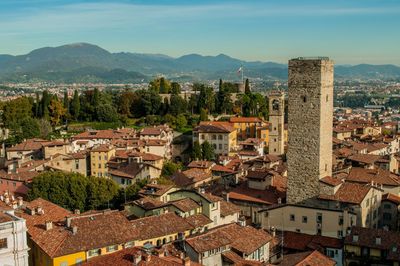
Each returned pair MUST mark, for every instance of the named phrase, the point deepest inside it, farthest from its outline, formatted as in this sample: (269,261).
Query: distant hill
(83,62)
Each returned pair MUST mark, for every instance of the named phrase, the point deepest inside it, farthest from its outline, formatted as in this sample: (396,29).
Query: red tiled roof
(200,164)
(160,225)
(126,257)
(214,127)
(245,239)
(378,176)
(245,120)
(392,198)
(349,192)
(331,181)
(308,258)
(198,220)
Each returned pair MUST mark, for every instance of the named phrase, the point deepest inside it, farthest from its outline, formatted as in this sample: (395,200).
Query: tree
(181,122)
(175,88)
(75,106)
(203,115)
(69,190)
(169,168)
(207,151)
(66,102)
(196,151)
(44,128)
(57,111)
(107,113)
(29,128)
(247,87)
(160,85)
(45,103)
(16,110)
(178,105)
(100,192)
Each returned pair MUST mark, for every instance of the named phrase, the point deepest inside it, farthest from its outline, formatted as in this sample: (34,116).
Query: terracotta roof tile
(349,192)
(245,239)
(378,176)
(161,225)
(308,258)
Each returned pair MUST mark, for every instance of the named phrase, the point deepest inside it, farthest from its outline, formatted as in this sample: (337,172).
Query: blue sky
(349,31)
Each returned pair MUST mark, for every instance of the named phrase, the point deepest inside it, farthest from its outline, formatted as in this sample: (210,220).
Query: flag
(239,70)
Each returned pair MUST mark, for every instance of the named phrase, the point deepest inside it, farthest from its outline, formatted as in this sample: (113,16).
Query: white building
(13,241)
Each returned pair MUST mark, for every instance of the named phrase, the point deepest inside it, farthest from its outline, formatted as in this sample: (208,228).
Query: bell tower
(276,123)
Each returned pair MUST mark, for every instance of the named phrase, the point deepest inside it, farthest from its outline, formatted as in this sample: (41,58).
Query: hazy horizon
(350,32)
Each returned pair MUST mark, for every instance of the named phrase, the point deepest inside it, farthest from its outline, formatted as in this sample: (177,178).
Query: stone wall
(310,109)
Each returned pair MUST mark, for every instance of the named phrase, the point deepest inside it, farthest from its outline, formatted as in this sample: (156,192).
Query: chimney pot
(49,225)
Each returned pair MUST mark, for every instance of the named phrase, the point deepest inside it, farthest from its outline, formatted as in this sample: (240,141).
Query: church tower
(276,123)
(310,109)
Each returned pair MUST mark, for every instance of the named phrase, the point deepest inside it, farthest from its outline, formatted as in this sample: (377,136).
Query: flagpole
(242,75)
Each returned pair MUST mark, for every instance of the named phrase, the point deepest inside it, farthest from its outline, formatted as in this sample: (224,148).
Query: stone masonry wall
(277,123)
(310,108)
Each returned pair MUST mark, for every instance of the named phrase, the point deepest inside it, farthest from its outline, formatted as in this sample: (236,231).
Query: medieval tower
(310,109)
(276,123)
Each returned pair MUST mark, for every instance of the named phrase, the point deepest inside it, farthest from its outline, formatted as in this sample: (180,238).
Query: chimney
(137,258)
(74,230)
(77,211)
(273,231)
(68,221)
(20,201)
(148,257)
(49,225)
(39,210)
(242,221)
(186,261)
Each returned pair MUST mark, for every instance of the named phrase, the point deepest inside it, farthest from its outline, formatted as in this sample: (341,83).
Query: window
(215,146)
(220,146)
(94,252)
(214,137)
(3,243)
(220,137)
(340,233)
(387,206)
(304,219)
(319,217)
(129,244)
(387,216)
(340,220)
(99,157)
(78,261)
(64,263)
(99,165)
(327,98)
(330,253)
(202,136)
(367,203)
(304,98)
(292,217)
(105,157)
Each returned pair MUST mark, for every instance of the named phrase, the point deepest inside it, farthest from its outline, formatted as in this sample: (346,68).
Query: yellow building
(247,127)
(99,157)
(57,237)
(221,135)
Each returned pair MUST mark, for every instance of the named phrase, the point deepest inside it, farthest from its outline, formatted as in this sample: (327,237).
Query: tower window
(327,98)
(304,98)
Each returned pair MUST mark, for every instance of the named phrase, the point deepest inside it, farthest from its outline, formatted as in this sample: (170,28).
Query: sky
(348,31)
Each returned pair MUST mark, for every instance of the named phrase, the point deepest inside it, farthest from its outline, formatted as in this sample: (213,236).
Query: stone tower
(310,111)
(277,123)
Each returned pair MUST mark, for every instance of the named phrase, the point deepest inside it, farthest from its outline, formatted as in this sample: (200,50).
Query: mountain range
(83,62)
